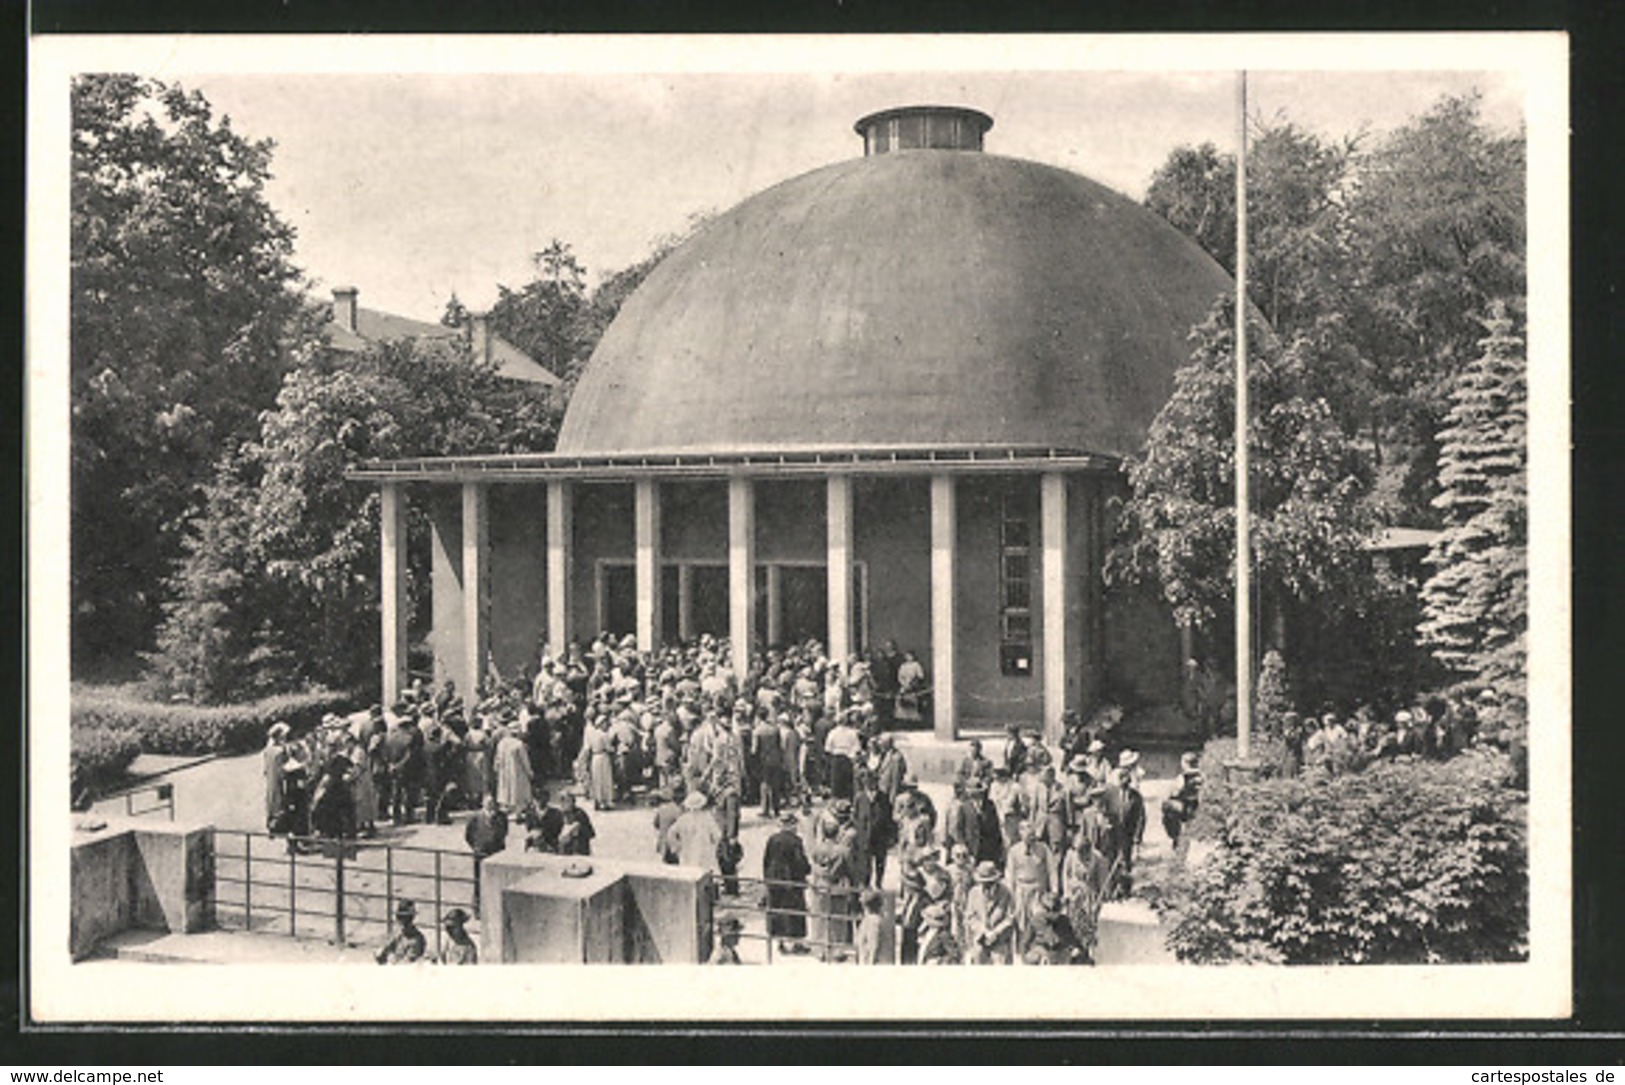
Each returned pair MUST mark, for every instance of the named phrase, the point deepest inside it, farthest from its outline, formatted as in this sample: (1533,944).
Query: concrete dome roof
(919,298)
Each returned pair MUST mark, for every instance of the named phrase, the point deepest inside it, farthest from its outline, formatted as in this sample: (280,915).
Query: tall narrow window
(1015,586)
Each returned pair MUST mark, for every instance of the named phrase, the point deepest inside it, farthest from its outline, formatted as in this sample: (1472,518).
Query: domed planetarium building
(885,400)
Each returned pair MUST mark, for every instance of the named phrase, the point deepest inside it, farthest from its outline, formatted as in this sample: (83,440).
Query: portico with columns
(986,563)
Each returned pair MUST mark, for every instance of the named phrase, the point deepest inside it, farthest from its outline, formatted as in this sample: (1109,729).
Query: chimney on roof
(479,336)
(344,306)
(923,127)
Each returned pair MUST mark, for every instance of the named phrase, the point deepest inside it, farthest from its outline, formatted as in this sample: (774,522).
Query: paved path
(228,793)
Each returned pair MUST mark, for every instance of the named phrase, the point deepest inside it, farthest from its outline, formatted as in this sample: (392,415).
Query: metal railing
(164,794)
(340,891)
(832,915)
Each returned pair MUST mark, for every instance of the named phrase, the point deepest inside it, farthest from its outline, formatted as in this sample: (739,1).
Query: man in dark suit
(769,757)
(975,766)
(989,833)
(960,824)
(403,747)
(785,866)
(1125,809)
(872,817)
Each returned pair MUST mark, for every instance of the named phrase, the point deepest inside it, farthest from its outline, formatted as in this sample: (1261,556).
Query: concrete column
(838,558)
(476,589)
(944,547)
(685,601)
(1052,514)
(646,520)
(560,554)
(392,589)
(775,623)
(741,571)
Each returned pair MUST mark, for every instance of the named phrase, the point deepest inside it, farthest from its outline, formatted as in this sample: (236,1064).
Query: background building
(884,400)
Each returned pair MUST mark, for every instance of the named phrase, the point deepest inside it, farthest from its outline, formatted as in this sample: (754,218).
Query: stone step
(227,947)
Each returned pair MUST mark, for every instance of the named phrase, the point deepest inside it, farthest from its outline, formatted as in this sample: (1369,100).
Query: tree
(1476,601)
(295,590)
(1177,529)
(547,317)
(1390,248)
(182,317)
(1436,224)
(1273,694)
(1295,183)
(1195,190)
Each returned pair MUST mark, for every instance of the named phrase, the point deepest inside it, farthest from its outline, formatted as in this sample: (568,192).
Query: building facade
(887,400)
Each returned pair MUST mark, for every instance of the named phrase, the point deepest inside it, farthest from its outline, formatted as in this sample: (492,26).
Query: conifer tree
(1475,602)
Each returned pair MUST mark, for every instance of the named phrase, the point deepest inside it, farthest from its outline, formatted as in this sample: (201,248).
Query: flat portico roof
(900,460)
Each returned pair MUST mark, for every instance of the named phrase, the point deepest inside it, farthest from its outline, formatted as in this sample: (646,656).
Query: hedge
(184,729)
(102,755)
(1267,754)
(1404,863)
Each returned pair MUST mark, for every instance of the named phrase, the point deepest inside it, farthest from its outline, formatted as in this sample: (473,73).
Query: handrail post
(338,895)
(293,887)
(389,886)
(437,922)
(248,882)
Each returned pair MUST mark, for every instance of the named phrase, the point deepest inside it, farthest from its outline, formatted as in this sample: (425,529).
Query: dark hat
(729,925)
(454,918)
(788,819)
(406,909)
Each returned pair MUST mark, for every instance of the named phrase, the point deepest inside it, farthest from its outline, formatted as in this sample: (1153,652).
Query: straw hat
(987,871)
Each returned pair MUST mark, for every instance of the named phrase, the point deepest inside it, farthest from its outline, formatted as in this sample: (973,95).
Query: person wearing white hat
(275,760)
(694,836)
(1098,765)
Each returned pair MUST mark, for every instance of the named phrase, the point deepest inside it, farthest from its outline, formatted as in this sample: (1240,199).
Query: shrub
(1267,753)
(101,755)
(192,729)
(1405,863)
(1272,699)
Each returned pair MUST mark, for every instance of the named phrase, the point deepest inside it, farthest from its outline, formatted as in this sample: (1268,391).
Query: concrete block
(99,887)
(667,913)
(497,873)
(548,918)
(172,879)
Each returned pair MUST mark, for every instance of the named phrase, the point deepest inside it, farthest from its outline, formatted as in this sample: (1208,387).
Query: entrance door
(708,599)
(670,601)
(618,599)
(803,603)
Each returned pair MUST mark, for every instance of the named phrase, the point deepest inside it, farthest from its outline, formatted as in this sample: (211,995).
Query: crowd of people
(1434,729)
(1014,868)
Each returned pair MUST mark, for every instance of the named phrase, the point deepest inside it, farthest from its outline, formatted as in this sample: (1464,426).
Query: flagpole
(1244,552)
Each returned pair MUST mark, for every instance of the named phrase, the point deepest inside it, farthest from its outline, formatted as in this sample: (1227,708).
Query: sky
(412,187)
